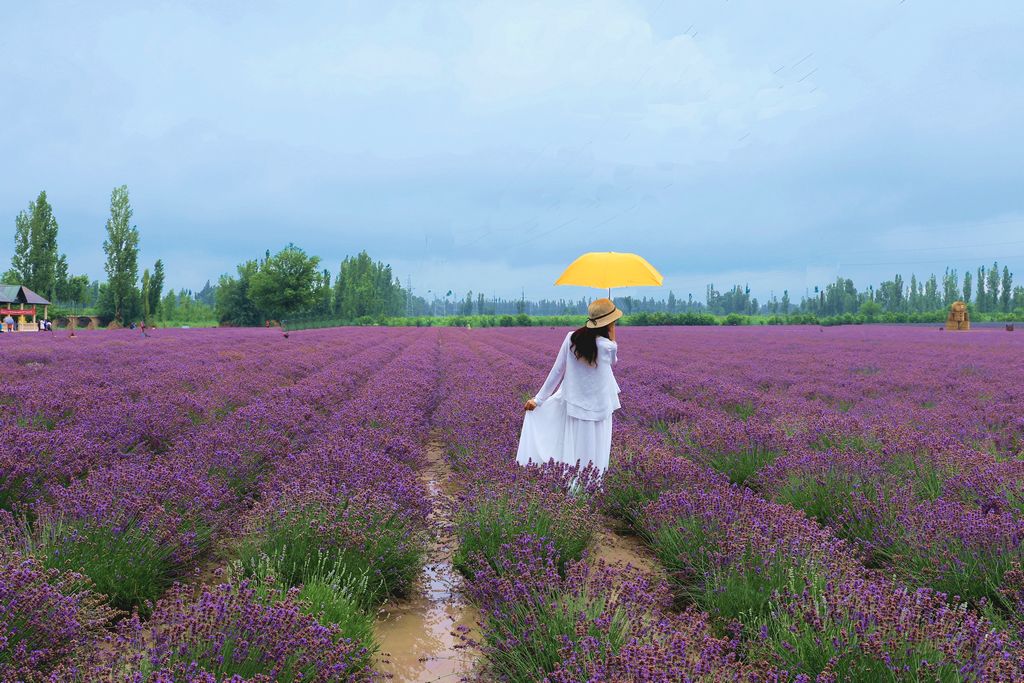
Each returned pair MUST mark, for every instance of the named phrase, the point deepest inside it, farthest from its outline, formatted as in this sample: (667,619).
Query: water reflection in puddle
(419,636)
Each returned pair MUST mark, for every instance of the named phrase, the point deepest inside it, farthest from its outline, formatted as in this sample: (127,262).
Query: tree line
(292,284)
(39,264)
(987,290)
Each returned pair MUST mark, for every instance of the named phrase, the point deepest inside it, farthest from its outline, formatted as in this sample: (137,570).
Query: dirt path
(418,636)
(613,543)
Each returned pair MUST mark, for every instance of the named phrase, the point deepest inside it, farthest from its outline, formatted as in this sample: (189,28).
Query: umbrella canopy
(607,269)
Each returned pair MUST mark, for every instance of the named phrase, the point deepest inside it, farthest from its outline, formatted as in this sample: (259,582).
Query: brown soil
(419,636)
(614,544)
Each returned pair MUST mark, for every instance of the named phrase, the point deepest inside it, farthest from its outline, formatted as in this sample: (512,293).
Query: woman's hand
(530,405)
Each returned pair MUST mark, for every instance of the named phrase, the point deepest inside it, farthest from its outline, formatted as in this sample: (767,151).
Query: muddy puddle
(419,636)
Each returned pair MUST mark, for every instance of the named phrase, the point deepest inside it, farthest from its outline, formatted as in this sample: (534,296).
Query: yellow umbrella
(607,269)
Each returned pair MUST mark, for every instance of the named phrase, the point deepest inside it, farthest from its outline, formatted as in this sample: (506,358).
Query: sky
(484,145)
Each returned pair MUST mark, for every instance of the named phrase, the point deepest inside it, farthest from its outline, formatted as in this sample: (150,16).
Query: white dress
(573,418)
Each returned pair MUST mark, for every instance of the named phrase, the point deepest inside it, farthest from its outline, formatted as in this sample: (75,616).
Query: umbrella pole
(609,293)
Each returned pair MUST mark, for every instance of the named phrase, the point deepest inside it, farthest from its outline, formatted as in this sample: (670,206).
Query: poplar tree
(980,298)
(146,292)
(43,248)
(156,286)
(949,284)
(122,249)
(20,269)
(993,287)
(35,263)
(1006,293)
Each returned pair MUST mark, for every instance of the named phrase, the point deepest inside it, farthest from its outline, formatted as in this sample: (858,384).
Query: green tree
(367,288)
(785,302)
(1006,291)
(145,298)
(75,290)
(980,297)
(156,286)
(286,283)
(914,297)
(949,287)
(932,302)
(43,248)
(21,269)
(890,295)
(169,306)
(122,249)
(993,287)
(967,288)
(207,295)
(35,262)
(61,277)
(234,306)
(870,309)
(1018,298)
(324,300)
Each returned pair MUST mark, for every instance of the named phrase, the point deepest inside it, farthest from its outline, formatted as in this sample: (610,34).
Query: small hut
(20,302)
(958,318)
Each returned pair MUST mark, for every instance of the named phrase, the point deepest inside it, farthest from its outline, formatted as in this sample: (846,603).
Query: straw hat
(602,312)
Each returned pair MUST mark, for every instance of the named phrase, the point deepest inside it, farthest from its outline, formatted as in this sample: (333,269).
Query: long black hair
(584,342)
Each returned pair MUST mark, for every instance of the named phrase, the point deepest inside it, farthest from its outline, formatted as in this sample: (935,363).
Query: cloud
(739,140)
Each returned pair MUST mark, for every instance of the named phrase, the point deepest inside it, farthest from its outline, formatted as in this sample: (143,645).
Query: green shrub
(740,588)
(857,507)
(332,596)
(350,538)
(741,465)
(925,477)
(734,319)
(492,522)
(529,636)
(130,565)
(868,631)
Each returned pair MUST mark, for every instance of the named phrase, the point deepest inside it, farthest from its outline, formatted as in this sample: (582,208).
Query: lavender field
(799,504)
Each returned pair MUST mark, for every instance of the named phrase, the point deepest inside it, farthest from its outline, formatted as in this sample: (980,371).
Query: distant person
(569,421)
(143,326)
(9,323)
(49,326)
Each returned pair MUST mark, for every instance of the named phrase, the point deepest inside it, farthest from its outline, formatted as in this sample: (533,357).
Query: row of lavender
(299,475)
(70,404)
(305,485)
(549,612)
(929,508)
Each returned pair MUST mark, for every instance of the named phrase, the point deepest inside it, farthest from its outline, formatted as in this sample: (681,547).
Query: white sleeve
(556,374)
(609,350)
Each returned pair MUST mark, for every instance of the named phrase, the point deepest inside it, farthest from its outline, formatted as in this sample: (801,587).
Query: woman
(570,419)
